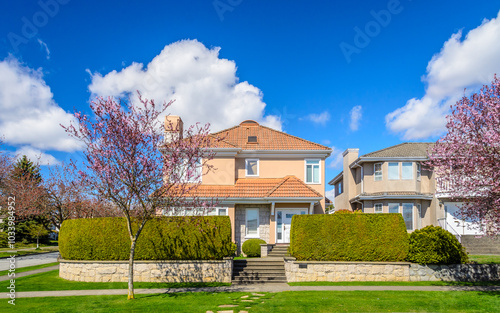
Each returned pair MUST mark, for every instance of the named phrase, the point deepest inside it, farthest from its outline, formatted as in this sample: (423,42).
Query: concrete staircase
(279,251)
(481,245)
(261,270)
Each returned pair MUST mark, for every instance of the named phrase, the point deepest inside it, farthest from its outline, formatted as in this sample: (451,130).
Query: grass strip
(29,268)
(27,252)
(395,283)
(289,302)
(485,258)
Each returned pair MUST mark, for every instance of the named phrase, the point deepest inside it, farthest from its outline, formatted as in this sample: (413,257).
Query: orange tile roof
(287,187)
(267,138)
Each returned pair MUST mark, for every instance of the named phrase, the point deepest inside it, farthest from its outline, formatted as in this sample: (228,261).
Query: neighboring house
(263,177)
(393,180)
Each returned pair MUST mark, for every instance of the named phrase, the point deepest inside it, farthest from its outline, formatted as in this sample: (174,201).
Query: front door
(284,223)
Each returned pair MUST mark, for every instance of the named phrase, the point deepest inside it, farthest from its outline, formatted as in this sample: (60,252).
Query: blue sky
(347,74)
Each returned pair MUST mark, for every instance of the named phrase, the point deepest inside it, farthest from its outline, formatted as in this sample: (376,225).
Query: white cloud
(330,194)
(29,115)
(44,45)
(467,63)
(355,117)
(36,156)
(336,159)
(321,118)
(205,87)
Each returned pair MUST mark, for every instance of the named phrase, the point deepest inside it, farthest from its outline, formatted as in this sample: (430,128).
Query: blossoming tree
(467,158)
(129,163)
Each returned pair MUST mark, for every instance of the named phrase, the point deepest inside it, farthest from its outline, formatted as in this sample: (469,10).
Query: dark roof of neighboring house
(262,138)
(286,187)
(403,150)
(392,195)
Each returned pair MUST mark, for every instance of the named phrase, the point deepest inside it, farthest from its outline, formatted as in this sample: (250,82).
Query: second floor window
(252,167)
(339,188)
(185,173)
(377,169)
(393,170)
(312,172)
(419,171)
(407,170)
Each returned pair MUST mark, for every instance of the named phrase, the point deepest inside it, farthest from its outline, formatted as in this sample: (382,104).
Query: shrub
(163,238)
(434,245)
(4,241)
(251,247)
(349,237)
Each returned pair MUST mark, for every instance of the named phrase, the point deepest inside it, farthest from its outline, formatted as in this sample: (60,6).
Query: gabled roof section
(258,188)
(250,135)
(403,150)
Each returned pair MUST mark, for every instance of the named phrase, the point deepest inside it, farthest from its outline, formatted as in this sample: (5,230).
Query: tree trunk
(37,242)
(131,271)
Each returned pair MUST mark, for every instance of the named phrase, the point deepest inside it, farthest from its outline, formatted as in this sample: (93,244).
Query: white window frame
(389,170)
(183,169)
(411,172)
(247,235)
(402,207)
(381,208)
(246,167)
(419,215)
(312,169)
(419,171)
(375,177)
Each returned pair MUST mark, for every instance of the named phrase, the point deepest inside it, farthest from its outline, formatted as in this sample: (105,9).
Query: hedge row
(349,237)
(163,238)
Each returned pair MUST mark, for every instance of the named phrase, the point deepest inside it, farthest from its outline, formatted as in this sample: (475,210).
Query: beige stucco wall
(278,168)
(223,173)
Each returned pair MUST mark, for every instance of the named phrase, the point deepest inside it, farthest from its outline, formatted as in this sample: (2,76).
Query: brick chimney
(174,128)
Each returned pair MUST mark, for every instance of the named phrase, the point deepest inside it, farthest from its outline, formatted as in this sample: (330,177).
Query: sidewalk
(247,288)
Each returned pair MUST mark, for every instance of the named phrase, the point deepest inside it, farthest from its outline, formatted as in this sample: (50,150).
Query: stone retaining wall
(301,271)
(455,272)
(148,271)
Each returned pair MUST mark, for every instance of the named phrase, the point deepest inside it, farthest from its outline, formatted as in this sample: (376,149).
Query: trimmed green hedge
(163,238)
(251,247)
(349,237)
(434,245)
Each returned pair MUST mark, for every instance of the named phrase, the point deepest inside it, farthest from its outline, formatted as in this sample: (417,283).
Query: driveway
(30,260)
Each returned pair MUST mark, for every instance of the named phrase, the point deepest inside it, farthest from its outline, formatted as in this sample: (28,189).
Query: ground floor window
(408,215)
(378,207)
(406,210)
(252,223)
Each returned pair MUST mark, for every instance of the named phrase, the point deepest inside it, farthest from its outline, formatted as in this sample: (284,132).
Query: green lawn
(29,268)
(289,302)
(485,258)
(395,283)
(49,281)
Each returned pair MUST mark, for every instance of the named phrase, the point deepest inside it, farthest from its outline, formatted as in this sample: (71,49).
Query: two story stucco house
(393,180)
(262,178)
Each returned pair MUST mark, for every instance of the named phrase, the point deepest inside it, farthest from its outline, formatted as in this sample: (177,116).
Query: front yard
(292,301)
